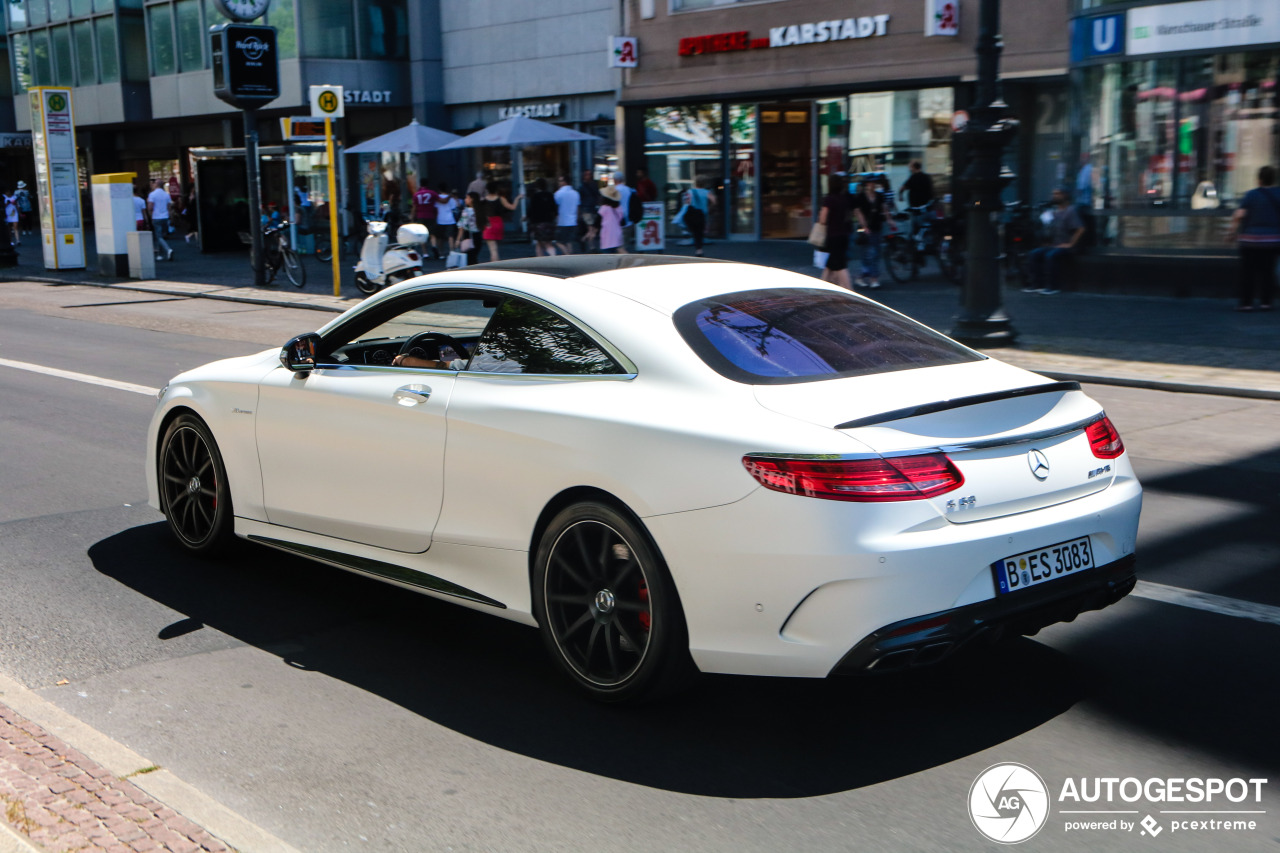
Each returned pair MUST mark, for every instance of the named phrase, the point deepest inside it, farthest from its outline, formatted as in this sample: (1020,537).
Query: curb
(184,798)
(11,841)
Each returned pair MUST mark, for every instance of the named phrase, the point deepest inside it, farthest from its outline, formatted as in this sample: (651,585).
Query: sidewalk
(1194,344)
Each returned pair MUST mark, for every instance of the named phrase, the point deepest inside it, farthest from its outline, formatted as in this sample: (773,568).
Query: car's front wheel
(194,496)
(607,608)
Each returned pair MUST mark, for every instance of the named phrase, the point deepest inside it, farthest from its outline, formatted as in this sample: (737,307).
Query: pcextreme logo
(1009,803)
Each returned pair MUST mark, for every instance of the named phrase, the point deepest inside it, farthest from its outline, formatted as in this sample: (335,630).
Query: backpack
(635,208)
(24,201)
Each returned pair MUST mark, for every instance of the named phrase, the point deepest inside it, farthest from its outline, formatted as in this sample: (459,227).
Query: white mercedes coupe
(667,465)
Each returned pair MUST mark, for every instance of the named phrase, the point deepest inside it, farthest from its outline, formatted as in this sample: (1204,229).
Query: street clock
(242,10)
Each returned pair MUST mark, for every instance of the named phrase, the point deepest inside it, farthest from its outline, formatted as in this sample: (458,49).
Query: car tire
(607,607)
(194,495)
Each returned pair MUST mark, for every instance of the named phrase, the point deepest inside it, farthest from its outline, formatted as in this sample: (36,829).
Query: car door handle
(412,395)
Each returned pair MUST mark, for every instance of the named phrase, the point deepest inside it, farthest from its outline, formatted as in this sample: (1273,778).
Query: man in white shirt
(567,202)
(158,206)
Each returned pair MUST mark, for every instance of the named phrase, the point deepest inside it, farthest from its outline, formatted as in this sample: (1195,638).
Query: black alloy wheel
(193,487)
(609,613)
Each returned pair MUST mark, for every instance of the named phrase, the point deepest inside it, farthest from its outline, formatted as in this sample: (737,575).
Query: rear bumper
(936,636)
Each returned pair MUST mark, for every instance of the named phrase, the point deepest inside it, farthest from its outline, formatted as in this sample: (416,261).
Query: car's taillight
(1104,439)
(900,478)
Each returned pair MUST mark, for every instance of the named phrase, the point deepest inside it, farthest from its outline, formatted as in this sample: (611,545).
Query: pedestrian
(645,186)
(611,219)
(542,219)
(625,206)
(139,210)
(469,228)
(1045,263)
(175,204)
(834,214)
(11,217)
(492,207)
(193,217)
(697,207)
(567,202)
(480,185)
(424,213)
(447,205)
(589,210)
(24,208)
(917,189)
(158,202)
(301,204)
(1255,227)
(871,207)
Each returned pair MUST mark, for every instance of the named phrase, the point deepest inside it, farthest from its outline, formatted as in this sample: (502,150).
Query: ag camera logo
(1008,803)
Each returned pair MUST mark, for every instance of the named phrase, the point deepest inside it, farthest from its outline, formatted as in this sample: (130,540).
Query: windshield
(784,335)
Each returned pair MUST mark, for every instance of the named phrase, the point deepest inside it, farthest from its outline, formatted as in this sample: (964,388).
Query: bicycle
(279,254)
(906,253)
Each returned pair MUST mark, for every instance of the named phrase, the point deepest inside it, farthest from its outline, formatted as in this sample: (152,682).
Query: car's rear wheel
(194,496)
(608,610)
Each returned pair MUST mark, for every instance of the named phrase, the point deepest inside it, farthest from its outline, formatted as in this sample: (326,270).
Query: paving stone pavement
(64,801)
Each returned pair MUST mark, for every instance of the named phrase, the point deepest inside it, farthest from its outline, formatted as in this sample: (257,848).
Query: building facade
(546,60)
(761,101)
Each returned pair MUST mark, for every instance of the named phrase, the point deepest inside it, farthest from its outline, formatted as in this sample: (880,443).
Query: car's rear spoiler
(957,403)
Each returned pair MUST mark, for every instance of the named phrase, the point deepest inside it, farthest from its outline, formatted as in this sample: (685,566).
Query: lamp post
(982,321)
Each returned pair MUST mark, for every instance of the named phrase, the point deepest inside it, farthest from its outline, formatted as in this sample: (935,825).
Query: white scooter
(381,264)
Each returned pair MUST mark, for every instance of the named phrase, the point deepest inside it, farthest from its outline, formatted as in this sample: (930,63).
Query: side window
(526,338)
(377,336)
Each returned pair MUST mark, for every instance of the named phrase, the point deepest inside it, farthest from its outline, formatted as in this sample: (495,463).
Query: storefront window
(328,30)
(190,35)
(890,129)
(109,64)
(160,32)
(682,145)
(742,189)
(384,29)
(86,74)
(1175,143)
(786,185)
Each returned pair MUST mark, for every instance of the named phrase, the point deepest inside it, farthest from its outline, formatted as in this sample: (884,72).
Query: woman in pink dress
(611,220)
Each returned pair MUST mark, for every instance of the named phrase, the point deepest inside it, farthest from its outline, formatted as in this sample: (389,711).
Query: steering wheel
(436,338)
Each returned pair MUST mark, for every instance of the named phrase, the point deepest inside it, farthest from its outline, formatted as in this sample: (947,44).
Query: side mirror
(300,353)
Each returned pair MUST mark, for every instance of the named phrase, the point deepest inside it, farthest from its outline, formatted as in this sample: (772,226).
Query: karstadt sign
(788,35)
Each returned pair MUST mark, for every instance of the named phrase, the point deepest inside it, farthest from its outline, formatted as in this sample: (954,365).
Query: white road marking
(80,377)
(1205,601)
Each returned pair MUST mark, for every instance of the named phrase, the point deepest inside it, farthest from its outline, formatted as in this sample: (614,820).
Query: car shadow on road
(490,680)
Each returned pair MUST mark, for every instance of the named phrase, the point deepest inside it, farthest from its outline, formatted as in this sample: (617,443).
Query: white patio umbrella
(413,138)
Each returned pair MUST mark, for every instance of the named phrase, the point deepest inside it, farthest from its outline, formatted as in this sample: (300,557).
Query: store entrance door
(786,150)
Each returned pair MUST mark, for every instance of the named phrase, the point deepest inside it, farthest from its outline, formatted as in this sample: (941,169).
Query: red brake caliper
(644,596)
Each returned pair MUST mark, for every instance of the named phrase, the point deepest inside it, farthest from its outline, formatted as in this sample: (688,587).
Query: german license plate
(1045,564)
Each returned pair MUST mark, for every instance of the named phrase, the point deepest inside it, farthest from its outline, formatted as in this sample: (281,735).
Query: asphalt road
(340,713)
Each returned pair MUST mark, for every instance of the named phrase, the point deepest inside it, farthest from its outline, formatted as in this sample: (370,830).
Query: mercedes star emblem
(1039,464)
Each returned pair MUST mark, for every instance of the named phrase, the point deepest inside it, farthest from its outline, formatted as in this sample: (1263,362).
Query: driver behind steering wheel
(418,357)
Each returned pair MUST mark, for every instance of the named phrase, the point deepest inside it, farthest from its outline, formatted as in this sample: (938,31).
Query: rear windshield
(784,335)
